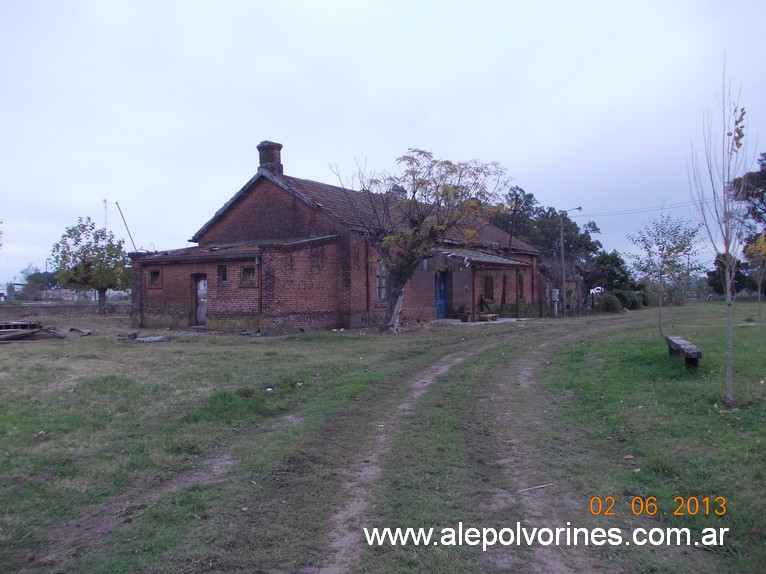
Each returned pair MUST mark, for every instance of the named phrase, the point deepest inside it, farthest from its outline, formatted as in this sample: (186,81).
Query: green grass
(628,399)
(443,470)
(432,488)
(86,419)
(96,421)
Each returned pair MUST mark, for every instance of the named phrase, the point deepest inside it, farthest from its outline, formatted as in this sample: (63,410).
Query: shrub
(629,299)
(608,303)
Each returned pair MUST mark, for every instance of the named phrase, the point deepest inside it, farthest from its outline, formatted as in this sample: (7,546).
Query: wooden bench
(678,346)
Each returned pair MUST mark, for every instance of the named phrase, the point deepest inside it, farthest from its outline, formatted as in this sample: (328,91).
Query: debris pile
(26,331)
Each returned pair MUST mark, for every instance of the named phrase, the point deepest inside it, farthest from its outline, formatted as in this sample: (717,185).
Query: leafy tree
(516,214)
(91,258)
(666,253)
(523,217)
(405,215)
(36,281)
(612,271)
(756,256)
(751,189)
(718,186)
(742,279)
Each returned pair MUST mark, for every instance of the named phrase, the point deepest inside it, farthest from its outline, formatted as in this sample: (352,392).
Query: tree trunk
(390,322)
(102,301)
(730,294)
(729,354)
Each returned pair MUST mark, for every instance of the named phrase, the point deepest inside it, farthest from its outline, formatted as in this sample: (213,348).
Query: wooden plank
(19,326)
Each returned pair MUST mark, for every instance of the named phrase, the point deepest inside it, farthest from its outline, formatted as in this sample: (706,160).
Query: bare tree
(717,189)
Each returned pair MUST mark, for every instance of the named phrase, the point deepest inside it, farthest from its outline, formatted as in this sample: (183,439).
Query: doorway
(440,294)
(200,299)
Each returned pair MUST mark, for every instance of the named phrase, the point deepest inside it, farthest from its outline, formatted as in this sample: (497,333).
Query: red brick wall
(298,287)
(301,288)
(459,291)
(419,297)
(314,285)
(358,283)
(266,211)
(169,304)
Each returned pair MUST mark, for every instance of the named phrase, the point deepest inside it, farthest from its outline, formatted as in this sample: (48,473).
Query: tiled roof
(360,209)
(355,208)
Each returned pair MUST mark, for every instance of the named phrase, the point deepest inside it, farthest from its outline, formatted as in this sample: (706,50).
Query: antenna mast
(126,224)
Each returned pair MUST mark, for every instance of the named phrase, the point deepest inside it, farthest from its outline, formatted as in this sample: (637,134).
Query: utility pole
(563,273)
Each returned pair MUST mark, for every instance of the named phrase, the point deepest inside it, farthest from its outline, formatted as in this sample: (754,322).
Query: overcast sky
(159,105)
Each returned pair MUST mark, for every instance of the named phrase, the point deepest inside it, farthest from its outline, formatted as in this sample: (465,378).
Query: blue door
(440,294)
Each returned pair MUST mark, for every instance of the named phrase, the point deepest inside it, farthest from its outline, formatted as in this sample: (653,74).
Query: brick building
(286,254)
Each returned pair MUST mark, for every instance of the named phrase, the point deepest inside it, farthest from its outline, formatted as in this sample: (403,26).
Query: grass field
(688,449)
(213,453)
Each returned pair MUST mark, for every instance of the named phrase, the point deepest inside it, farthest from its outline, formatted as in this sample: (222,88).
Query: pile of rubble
(26,331)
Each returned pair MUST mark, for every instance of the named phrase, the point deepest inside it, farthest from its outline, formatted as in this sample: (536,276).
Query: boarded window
(248,277)
(223,273)
(155,278)
(382,282)
(489,288)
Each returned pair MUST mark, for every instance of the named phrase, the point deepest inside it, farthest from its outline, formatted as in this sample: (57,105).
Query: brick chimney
(271,156)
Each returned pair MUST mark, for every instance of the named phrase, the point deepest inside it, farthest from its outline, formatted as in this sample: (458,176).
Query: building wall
(360,304)
(266,211)
(167,303)
(295,287)
(233,303)
(313,285)
(301,288)
(324,283)
(420,295)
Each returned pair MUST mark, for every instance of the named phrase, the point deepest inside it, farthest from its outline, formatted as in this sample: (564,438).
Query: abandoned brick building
(285,254)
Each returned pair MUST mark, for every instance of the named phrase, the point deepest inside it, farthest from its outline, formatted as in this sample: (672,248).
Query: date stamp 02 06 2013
(648,506)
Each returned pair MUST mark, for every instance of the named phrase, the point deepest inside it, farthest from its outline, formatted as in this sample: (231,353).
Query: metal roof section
(481,259)
(234,251)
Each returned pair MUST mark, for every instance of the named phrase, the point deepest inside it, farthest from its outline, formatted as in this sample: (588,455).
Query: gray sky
(160,105)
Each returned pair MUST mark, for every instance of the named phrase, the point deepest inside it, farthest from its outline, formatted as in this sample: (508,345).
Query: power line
(638,210)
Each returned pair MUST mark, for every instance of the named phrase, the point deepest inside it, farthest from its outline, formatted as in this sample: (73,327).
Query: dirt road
(527,490)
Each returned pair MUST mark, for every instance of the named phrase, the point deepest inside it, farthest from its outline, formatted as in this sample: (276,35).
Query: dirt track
(523,486)
(519,461)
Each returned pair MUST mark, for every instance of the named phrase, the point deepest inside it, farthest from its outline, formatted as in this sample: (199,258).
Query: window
(222,273)
(489,288)
(248,277)
(155,279)
(382,282)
